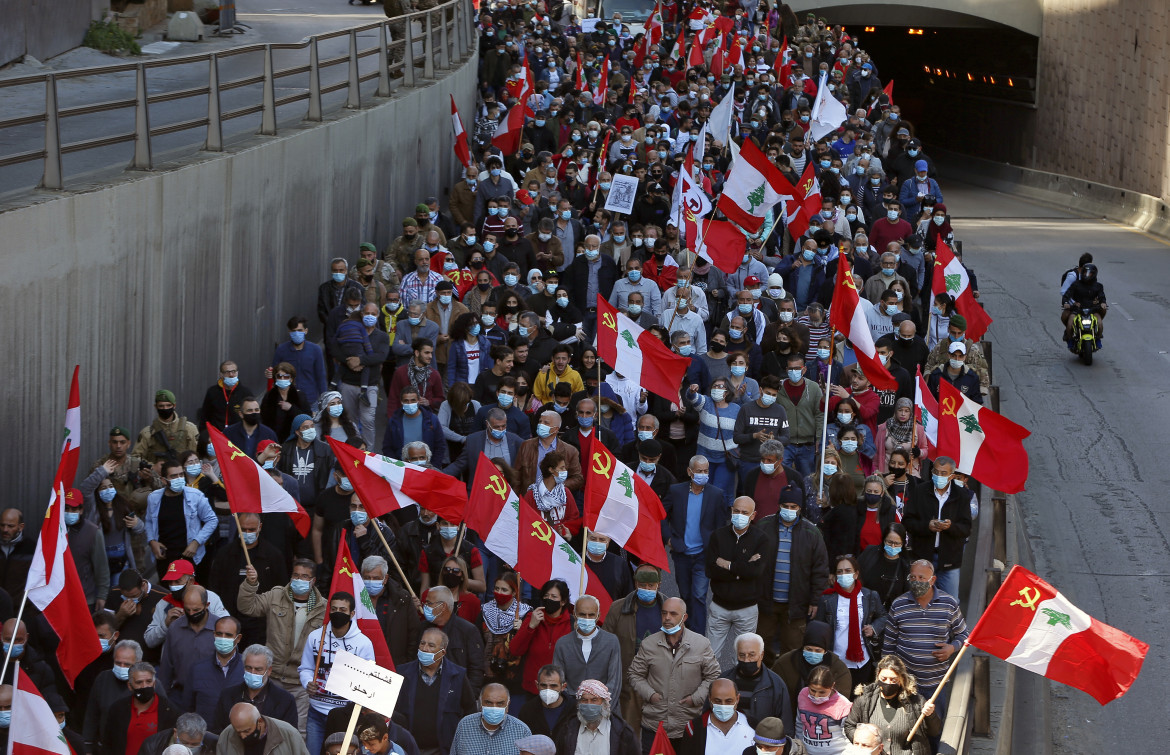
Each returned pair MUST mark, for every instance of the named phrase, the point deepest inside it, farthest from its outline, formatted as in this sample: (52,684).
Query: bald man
(248,727)
(16,553)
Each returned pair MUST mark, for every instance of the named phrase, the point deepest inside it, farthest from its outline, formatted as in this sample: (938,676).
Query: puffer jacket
(673,676)
(276,606)
(865,710)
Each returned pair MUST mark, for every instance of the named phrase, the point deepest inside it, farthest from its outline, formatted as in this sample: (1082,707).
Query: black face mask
(550,606)
(255,737)
(252,418)
(898,471)
(510,232)
(195,618)
(747,669)
(483,286)
(477,264)
(145,694)
(452,581)
(338,619)
(890,689)
(166,414)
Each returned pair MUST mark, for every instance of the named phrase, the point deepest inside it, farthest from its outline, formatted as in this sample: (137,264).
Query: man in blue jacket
(435,694)
(694,510)
(414,422)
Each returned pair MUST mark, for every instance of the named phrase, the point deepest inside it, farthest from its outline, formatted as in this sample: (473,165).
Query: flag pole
(938,689)
(8,655)
(458,540)
(825,418)
(393,560)
(325,627)
(243,543)
(584,550)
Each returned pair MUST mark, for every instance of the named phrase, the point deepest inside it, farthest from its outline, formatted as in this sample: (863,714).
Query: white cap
(957,346)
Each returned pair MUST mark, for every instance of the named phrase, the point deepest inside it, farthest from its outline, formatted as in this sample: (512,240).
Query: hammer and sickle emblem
(346,569)
(602,464)
(235,453)
(1029,597)
(807,186)
(948,406)
(607,318)
(496,485)
(850,283)
(542,531)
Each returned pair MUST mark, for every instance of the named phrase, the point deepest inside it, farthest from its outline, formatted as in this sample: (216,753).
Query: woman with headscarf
(898,432)
(939,227)
(332,420)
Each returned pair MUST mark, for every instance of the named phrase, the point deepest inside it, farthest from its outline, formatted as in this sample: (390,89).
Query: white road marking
(1124,314)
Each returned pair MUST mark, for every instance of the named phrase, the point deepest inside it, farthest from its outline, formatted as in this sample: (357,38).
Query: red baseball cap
(751,280)
(73,498)
(179,567)
(263,445)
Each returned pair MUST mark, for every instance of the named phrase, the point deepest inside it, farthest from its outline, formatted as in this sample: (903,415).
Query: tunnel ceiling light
(970,77)
(992,79)
(870,29)
(926,69)
(915,32)
(1011,83)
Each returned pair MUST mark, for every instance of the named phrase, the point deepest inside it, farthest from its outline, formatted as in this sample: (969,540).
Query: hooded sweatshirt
(354,642)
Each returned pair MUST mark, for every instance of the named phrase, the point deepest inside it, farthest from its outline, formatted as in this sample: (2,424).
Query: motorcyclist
(1085,291)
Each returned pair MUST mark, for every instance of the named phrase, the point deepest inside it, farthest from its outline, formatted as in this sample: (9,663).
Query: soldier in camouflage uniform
(957,331)
(383,271)
(394,9)
(401,251)
(133,481)
(169,434)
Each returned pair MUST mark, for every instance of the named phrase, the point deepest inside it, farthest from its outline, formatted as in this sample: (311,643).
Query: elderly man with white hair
(589,652)
(762,693)
(867,740)
(599,729)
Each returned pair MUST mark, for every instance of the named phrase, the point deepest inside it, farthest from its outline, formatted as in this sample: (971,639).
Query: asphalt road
(1095,510)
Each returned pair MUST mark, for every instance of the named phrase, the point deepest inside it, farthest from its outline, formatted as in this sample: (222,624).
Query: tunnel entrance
(966,84)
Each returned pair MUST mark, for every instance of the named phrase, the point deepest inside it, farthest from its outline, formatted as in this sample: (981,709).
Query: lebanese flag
(250,489)
(71,446)
(783,64)
(54,587)
(579,84)
(654,26)
(679,45)
(384,484)
(717,241)
(542,554)
(809,191)
(620,505)
(602,84)
(508,133)
(462,150)
(687,194)
(926,407)
(751,188)
(347,577)
(718,62)
(37,732)
(638,355)
(847,316)
(985,445)
(1030,624)
(950,276)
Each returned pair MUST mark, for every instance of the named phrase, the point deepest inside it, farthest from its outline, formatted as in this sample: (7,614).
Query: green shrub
(107,36)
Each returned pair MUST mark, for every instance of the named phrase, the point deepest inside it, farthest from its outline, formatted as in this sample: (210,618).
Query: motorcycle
(1086,332)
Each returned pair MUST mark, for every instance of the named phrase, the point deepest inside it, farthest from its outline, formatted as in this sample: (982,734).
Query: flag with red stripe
(462,150)
(34,729)
(250,489)
(847,317)
(347,577)
(384,484)
(951,277)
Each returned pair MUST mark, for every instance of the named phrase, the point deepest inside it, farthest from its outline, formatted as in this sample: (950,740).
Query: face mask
(297,336)
(723,712)
(889,689)
(336,409)
(494,716)
(823,354)
(939,219)
(892,550)
(338,277)
(345,485)
(849,446)
(176,485)
(561,476)
(738,370)
(634,310)
(300,586)
(647,596)
(744,309)
(560,409)
(523,331)
(586,626)
(250,538)
(473,331)
(940,481)
(647,466)
(735,333)
(789,515)
(592,254)
(338,619)
(504,400)
(812,658)
(549,696)
(891,310)
(767,399)
(410,408)
(958,483)
(717,394)
(595,548)
(494,172)
(121,673)
(634,276)
(672,630)
(585,421)
(844,419)
(309,435)
(488,246)
(107,494)
(359,518)
(448,533)
(918,589)
(144,695)
(254,681)
(224,645)
(741,521)
(72,518)
(414,321)
(487,320)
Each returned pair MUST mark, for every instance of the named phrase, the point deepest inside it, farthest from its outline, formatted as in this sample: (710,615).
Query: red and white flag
(679,45)
(783,65)
(697,58)
(926,407)
(888,91)
(803,203)
(511,128)
(951,277)
(34,729)
(848,317)
(751,188)
(654,26)
(985,445)
(493,512)
(250,489)
(602,84)
(347,577)
(639,355)
(717,241)
(620,505)
(384,484)
(71,445)
(462,150)
(579,84)
(1030,624)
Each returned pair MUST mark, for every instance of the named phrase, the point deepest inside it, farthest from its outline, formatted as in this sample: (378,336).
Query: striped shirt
(912,631)
(782,576)
(416,288)
(715,432)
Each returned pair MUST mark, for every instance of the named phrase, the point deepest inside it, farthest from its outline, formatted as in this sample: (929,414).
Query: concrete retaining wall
(151,282)
(41,28)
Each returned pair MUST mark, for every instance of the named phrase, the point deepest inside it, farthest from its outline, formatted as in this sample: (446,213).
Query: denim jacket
(200,518)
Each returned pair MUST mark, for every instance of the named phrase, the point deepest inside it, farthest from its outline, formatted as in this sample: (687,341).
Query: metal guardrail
(447,35)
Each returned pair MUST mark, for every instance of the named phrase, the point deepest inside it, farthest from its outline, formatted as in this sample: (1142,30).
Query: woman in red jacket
(551,620)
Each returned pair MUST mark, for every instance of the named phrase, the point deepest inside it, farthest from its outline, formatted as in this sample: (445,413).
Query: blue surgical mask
(494,716)
(740,521)
(72,518)
(809,255)
(736,333)
(723,712)
(231,382)
(359,518)
(794,376)
(561,476)
(767,399)
(788,516)
(374,587)
(448,533)
(523,331)
(411,408)
(309,435)
(121,673)
(647,596)
(510,280)
(428,613)
(254,681)
(336,409)
(487,320)
(634,310)
(672,630)
(284,384)
(744,309)
(414,321)
(104,643)
(812,658)
(617,237)
(892,550)
(250,537)
(892,215)
(425,658)
(345,485)
(844,419)
(488,246)
(846,581)
(543,430)
(444,299)
(634,276)
(193,469)
(176,485)
(586,626)
(585,421)
(849,446)
(224,645)
(956,339)
(595,548)
(592,254)
(912,152)
(940,481)
(17,650)
(504,400)
(701,478)
(338,277)
(738,370)
(498,434)
(686,350)
(891,309)
(297,336)
(823,355)
(107,494)
(718,394)
(300,586)
(648,467)
(368,320)
(473,330)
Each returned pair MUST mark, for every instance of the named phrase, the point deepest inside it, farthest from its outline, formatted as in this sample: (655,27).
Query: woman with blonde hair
(892,704)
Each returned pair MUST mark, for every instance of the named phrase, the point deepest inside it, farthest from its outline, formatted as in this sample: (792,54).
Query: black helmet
(1089,272)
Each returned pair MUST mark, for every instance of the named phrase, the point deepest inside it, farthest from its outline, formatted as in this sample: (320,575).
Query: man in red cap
(88,546)
(178,575)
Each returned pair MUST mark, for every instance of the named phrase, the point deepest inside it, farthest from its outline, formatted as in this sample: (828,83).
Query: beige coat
(282,739)
(277,607)
(674,676)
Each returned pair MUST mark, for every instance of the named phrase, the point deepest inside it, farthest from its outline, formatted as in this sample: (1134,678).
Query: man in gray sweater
(589,652)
